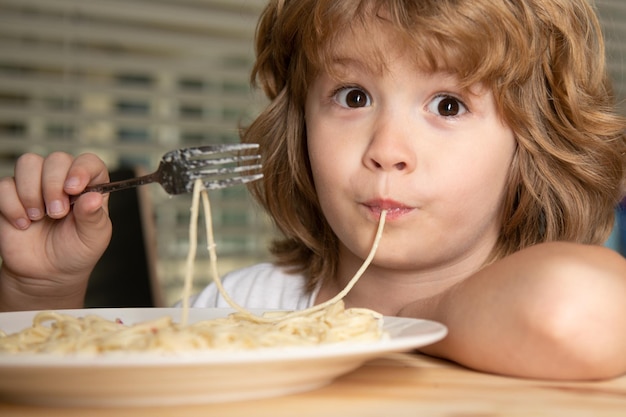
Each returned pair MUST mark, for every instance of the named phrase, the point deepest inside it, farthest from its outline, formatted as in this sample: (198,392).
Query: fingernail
(72,182)
(55,207)
(22,223)
(33,213)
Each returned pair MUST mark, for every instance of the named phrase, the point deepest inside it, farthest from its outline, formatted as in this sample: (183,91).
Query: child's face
(435,156)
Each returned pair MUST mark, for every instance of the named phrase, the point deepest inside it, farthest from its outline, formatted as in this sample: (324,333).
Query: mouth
(394,209)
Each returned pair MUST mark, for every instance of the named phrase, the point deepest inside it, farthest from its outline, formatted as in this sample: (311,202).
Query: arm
(552,311)
(49,247)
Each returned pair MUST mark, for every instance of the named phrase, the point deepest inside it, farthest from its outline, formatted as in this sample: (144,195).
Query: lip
(395,209)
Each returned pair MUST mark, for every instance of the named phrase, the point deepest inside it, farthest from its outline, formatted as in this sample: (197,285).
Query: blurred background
(132,79)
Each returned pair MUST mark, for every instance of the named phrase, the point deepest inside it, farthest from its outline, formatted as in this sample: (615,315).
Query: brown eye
(447,106)
(352,97)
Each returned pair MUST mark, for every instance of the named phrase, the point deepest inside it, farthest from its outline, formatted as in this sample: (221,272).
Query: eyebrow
(339,63)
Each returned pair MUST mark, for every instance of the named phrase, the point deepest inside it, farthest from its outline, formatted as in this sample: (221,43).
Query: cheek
(318,155)
(329,154)
(480,178)
(322,159)
(327,172)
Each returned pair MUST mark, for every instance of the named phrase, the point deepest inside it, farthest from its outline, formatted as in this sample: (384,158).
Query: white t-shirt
(263,286)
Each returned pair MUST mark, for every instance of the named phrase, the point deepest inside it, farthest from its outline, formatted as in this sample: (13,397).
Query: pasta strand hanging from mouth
(206,206)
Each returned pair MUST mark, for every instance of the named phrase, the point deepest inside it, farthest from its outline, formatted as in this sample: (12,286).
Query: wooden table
(399,385)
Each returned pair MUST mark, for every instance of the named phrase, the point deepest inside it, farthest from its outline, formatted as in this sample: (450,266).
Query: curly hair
(544,62)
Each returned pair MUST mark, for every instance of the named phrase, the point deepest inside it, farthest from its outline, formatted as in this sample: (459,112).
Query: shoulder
(562,272)
(569,260)
(263,285)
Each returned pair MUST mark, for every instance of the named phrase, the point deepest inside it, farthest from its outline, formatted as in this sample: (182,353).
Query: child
(485,128)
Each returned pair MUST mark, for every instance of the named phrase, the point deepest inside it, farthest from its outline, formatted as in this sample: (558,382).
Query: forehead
(423,33)
(372,45)
(367,45)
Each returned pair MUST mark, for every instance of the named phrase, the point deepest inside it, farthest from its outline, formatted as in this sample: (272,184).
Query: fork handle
(109,187)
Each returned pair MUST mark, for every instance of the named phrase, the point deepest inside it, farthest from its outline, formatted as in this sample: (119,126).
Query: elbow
(577,347)
(563,318)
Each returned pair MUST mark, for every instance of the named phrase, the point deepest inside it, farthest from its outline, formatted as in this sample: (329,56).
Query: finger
(11,207)
(28,174)
(53,176)
(86,169)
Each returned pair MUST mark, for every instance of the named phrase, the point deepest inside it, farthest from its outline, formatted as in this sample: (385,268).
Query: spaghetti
(328,322)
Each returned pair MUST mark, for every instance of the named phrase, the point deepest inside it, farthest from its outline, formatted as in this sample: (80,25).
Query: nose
(390,147)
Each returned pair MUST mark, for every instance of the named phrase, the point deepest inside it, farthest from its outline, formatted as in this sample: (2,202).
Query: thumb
(93,225)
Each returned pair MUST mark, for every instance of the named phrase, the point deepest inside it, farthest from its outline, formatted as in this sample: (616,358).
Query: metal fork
(216,165)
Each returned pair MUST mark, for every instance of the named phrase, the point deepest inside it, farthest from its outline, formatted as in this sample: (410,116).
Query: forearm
(554,312)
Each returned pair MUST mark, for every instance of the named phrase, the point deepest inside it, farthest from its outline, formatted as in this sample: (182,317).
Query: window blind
(613,18)
(130,80)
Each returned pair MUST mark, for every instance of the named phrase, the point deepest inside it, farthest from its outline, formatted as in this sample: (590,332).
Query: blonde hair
(544,62)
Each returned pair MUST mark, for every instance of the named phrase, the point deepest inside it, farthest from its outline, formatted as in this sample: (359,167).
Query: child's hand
(49,246)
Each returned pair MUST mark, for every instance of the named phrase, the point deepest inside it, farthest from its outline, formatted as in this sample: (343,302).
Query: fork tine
(215,149)
(200,163)
(222,171)
(228,182)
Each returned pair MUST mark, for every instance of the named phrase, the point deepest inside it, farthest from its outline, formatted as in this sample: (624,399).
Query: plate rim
(433,331)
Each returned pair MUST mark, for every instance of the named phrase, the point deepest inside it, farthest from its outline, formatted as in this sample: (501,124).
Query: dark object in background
(621,227)
(122,277)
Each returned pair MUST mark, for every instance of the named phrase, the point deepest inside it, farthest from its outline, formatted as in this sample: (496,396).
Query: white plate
(196,377)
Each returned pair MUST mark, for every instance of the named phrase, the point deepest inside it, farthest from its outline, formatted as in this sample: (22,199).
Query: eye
(447,106)
(352,97)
